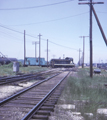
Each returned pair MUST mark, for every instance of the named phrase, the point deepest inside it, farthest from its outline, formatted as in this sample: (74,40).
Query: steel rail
(39,104)
(14,79)
(18,78)
(3,78)
(26,89)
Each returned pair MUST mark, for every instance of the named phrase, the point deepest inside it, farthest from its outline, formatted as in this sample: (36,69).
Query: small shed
(15,66)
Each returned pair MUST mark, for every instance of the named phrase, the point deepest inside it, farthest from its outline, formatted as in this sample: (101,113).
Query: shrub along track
(35,102)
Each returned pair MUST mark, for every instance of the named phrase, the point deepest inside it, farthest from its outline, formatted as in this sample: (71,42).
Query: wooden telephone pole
(100,27)
(83,49)
(79,56)
(24,48)
(35,42)
(47,52)
(90,35)
(39,47)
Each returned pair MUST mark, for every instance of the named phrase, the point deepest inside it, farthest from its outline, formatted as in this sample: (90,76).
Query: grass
(7,70)
(88,94)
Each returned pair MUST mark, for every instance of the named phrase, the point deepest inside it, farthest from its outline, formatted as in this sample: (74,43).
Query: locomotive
(67,62)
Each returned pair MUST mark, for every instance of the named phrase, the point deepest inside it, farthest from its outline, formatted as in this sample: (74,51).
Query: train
(54,63)
(4,60)
(67,63)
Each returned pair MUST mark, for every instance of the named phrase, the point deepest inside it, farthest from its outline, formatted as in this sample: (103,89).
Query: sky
(62,22)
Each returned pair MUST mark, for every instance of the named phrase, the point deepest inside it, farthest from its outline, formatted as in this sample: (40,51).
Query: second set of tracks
(35,102)
(25,77)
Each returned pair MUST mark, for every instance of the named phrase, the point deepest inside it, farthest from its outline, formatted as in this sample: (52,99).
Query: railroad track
(34,102)
(26,77)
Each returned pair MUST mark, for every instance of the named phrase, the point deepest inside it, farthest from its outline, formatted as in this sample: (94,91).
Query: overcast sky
(59,21)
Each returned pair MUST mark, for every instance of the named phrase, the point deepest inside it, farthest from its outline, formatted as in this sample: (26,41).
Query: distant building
(5,60)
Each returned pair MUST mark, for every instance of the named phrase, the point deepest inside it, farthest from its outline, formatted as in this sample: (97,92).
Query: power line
(11,36)
(16,31)
(62,46)
(33,7)
(102,12)
(10,29)
(37,37)
(51,20)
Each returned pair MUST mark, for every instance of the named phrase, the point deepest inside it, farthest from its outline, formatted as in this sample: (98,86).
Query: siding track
(26,77)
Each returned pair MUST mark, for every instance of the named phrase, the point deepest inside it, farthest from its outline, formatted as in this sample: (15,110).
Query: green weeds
(7,70)
(88,94)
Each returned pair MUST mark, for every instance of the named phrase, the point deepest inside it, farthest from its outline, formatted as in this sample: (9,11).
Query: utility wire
(10,29)
(23,8)
(101,12)
(63,46)
(11,36)
(16,31)
(41,39)
(51,20)
(37,38)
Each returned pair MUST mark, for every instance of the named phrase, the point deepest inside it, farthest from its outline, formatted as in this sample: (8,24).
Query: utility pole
(47,52)
(100,27)
(91,53)
(24,48)
(36,42)
(83,48)
(79,56)
(63,56)
(39,47)
(90,35)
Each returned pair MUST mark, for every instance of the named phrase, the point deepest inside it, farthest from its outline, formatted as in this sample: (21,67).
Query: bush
(10,65)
